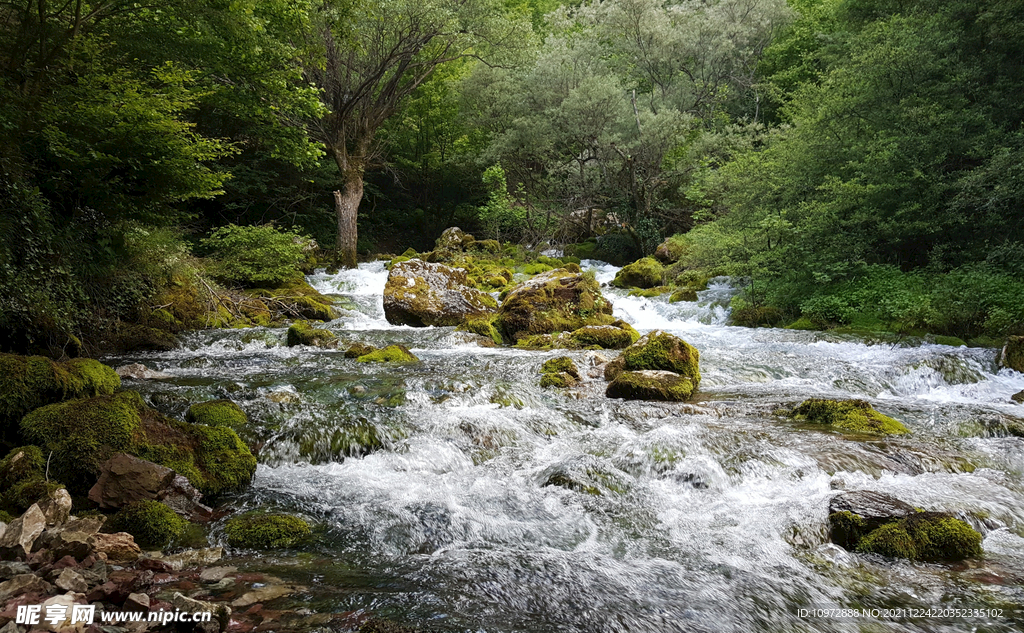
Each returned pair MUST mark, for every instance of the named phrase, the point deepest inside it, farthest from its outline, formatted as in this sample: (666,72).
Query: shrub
(255,255)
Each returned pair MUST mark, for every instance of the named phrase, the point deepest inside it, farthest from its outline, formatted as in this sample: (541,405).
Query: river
(712,515)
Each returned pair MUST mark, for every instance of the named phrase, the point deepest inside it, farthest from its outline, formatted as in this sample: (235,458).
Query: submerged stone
(419,294)
(849,415)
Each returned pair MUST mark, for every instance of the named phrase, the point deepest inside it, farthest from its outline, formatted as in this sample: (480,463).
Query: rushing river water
(712,515)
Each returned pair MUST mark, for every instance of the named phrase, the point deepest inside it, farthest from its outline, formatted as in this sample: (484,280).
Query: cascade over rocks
(419,294)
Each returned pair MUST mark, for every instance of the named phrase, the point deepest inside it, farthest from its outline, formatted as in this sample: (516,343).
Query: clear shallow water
(712,513)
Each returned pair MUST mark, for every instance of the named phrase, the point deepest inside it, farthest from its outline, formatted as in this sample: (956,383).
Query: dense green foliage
(857,161)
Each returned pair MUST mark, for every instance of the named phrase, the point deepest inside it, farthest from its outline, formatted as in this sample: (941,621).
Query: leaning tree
(366,57)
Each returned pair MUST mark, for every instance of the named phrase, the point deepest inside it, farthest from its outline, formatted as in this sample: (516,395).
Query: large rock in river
(556,301)
(419,293)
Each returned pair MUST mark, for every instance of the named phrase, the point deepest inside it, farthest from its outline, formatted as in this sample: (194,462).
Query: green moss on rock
(22,479)
(925,536)
(683,294)
(389,354)
(82,434)
(560,364)
(303,333)
(651,385)
(644,273)
(756,316)
(355,350)
(617,335)
(217,413)
(266,531)
(558,379)
(849,415)
(661,351)
(657,291)
(29,382)
(153,524)
(484,326)
(555,301)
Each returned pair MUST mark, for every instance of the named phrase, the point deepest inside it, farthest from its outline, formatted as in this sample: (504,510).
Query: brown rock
(263,594)
(216,574)
(137,602)
(118,547)
(69,543)
(21,533)
(125,479)
(182,497)
(194,558)
(23,583)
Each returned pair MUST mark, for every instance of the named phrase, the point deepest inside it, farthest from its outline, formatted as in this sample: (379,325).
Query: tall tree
(370,56)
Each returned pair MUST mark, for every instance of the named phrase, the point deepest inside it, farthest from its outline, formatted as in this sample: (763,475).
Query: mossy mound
(29,382)
(355,350)
(389,354)
(661,351)
(303,333)
(645,273)
(22,479)
(266,531)
(555,301)
(1013,353)
(217,413)
(923,536)
(559,372)
(153,524)
(84,433)
(756,316)
(849,415)
(651,385)
(683,294)
(618,335)
(671,249)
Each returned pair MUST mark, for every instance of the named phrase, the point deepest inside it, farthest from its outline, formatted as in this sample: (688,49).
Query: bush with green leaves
(255,256)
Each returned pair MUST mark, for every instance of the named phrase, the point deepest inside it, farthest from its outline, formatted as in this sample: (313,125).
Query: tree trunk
(346,207)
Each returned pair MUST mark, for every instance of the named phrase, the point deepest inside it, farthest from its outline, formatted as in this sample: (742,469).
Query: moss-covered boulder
(618,335)
(670,250)
(303,333)
(419,294)
(873,522)
(756,316)
(453,239)
(1018,397)
(151,523)
(643,273)
(856,416)
(556,301)
(82,434)
(559,372)
(29,382)
(265,531)
(1013,354)
(389,354)
(658,351)
(355,350)
(683,294)
(217,413)
(295,299)
(651,385)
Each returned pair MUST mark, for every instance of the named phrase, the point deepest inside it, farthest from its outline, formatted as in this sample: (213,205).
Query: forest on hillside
(856,163)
